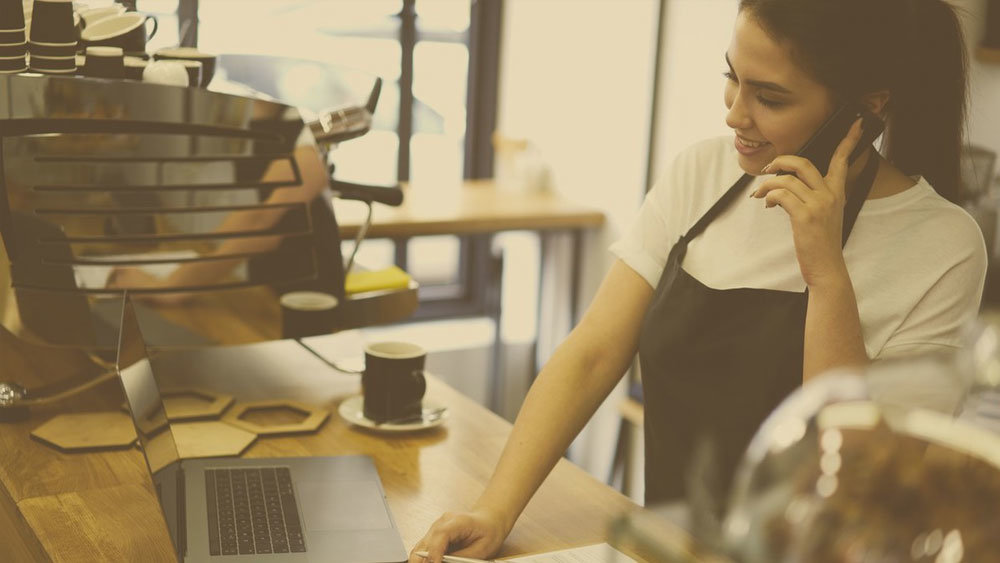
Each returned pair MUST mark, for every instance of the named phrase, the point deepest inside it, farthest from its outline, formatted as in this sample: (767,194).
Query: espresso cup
(393,382)
(13,65)
(12,36)
(16,50)
(94,15)
(127,31)
(134,67)
(104,62)
(11,14)
(307,313)
(53,65)
(52,22)
(165,72)
(51,49)
(207,60)
(193,69)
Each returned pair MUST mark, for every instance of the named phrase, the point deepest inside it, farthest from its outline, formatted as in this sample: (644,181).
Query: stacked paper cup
(13,46)
(52,37)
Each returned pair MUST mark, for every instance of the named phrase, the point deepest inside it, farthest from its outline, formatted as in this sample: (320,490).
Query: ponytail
(912,48)
(928,100)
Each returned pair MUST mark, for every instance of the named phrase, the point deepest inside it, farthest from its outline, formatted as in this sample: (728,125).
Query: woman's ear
(876,102)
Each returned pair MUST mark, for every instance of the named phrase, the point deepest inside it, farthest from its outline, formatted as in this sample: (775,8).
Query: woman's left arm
(833,335)
(815,207)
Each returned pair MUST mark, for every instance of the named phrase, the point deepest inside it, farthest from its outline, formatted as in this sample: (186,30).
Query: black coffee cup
(207,60)
(307,313)
(51,49)
(104,62)
(393,382)
(193,69)
(52,22)
(11,14)
(12,36)
(12,65)
(53,65)
(134,66)
(10,51)
(127,31)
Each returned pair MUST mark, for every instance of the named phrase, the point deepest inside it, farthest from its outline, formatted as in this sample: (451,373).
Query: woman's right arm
(574,382)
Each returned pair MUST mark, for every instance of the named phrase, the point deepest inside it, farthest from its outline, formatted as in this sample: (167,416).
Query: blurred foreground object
(830,478)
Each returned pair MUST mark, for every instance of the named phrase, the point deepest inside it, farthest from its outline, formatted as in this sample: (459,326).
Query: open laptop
(330,509)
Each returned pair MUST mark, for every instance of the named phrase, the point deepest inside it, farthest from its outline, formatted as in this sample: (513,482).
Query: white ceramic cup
(172,73)
(94,15)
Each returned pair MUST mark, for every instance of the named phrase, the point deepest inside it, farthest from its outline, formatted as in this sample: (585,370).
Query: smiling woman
(732,302)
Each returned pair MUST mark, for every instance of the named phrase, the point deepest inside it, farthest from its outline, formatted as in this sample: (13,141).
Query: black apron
(715,363)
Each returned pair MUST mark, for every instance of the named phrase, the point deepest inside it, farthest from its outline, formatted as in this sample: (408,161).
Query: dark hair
(912,48)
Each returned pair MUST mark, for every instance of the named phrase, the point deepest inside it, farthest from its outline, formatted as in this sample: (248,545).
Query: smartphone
(820,147)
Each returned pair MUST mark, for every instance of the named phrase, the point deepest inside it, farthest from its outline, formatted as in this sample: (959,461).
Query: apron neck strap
(857,194)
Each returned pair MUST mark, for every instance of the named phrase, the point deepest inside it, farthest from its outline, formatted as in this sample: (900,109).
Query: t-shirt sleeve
(644,246)
(647,241)
(937,320)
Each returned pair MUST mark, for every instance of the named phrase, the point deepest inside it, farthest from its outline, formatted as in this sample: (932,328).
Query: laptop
(330,509)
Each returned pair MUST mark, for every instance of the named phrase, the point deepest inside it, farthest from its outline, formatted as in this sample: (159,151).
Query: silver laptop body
(330,509)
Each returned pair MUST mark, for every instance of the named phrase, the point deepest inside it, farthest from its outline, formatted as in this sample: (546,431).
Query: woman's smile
(746,147)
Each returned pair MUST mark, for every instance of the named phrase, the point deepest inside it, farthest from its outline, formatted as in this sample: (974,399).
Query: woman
(768,294)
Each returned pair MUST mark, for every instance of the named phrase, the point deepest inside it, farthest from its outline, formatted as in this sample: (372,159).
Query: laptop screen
(142,393)
(146,407)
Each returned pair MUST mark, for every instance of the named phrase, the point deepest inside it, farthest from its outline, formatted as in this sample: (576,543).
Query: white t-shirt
(917,261)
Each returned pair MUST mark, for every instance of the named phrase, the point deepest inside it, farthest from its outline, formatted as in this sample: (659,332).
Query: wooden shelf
(988,54)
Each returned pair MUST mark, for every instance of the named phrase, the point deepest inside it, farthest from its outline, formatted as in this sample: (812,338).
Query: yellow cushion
(389,278)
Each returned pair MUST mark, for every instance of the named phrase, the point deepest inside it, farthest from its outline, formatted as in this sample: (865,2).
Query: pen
(454,559)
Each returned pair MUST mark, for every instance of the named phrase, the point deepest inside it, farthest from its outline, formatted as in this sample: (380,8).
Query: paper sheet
(597,553)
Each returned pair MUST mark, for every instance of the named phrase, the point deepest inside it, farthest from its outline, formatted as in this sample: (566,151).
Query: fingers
(790,184)
(447,531)
(839,163)
(801,167)
(787,201)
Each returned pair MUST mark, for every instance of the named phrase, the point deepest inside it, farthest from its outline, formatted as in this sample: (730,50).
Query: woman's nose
(737,117)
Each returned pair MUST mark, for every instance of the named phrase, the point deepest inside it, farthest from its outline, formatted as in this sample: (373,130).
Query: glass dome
(835,476)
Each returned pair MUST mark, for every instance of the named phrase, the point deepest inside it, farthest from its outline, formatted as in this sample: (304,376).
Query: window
(428,129)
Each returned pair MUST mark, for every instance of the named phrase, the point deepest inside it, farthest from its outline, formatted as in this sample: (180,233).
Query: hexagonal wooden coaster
(192,403)
(212,438)
(189,403)
(87,431)
(312,417)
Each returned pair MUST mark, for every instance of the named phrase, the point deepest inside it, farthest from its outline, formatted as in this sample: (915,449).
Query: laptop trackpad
(342,505)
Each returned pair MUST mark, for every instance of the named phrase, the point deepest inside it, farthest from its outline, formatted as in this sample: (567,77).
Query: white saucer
(352,410)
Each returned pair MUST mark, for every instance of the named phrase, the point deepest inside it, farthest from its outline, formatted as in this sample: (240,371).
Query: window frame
(470,294)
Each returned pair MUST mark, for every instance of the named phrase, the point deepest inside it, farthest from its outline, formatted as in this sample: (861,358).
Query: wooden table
(100,505)
(475,207)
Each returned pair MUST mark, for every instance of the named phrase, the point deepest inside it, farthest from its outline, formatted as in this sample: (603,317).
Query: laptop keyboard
(252,510)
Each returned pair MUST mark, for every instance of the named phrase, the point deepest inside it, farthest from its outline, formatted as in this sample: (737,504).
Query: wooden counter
(100,505)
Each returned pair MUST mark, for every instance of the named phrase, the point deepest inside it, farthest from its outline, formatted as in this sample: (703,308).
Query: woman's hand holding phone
(815,206)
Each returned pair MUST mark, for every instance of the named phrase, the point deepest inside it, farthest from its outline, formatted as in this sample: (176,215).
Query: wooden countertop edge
(19,540)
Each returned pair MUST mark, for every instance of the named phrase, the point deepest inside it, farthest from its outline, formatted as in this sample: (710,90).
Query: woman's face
(774,106)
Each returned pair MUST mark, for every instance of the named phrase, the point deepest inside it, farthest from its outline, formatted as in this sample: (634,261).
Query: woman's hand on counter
(478,533)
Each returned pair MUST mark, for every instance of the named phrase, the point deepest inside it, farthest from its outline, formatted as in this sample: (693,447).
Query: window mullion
(407,41)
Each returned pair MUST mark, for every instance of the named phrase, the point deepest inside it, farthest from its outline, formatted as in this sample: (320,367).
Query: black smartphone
(820,147)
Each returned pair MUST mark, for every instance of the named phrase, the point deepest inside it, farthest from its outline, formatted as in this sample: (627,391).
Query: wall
(697,34)
(689,101)
(576,79)
(984,80)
